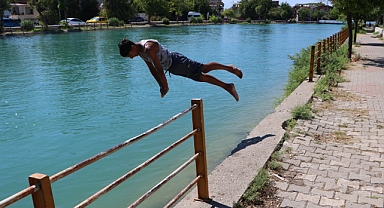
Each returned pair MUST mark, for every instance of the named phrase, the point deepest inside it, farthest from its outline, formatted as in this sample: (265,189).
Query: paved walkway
(337,158)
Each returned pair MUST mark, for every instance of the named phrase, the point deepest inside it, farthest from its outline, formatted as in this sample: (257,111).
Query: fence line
(328,45)
(40,184)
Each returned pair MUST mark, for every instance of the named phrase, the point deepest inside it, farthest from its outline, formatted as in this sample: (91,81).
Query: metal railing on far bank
(328,45)
(40,184)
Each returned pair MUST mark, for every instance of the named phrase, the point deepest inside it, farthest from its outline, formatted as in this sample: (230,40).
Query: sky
(229,3)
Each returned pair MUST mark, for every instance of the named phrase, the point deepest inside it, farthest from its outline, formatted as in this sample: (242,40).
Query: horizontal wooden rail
(18,196)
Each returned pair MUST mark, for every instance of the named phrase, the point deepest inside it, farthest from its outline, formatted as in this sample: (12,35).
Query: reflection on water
(67,97)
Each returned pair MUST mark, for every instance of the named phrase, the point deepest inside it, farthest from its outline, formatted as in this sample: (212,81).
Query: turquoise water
(67,97)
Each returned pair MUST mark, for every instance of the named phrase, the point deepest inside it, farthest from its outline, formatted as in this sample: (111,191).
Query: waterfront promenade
(337,158)
(334,160)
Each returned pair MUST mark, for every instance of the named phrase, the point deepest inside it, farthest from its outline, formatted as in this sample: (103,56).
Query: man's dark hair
(125,46)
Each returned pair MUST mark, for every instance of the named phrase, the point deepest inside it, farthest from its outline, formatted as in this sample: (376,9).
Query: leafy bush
(215,19)
(302,112)
(200,19)
(165,21)
(113,21)
(249,20)
(234,21)
(27,25)
(193,20)
(121,22)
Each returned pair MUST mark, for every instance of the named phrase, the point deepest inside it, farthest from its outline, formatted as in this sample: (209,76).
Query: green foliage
(200,19)
(215,19)
(249,20)
(228,13)
(165,21)
(299,72)
(193,20)
(121,9)
(113,21)
(302,112)
(331,66)
(256,185)
(27,25)
(234,21)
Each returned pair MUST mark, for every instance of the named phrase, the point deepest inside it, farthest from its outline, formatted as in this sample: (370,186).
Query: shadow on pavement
(375,62)
(217,204)
(372,44)
(247,142)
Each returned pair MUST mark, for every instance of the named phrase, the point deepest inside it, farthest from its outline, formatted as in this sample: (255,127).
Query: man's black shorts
(183,66)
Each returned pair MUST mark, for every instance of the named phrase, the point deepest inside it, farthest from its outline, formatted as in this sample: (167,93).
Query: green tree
(89,9)
(228,13)
(201,6)
(154,7)
(355,10)
(47,9)
(178,8)
(304,14)
(121,9)
(247,8)
(286,11)
(317,14)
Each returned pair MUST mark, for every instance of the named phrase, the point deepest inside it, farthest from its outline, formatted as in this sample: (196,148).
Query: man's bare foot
(236,71)
(232,90)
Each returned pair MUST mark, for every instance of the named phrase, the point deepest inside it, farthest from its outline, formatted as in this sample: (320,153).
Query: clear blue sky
(229,3)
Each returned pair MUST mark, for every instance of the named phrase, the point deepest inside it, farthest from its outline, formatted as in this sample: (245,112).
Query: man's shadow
(247,142)
(375,62)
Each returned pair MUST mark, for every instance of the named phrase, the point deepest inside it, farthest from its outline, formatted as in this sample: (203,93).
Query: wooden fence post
(311,64)
(199,141)
(318,56)
(43,197)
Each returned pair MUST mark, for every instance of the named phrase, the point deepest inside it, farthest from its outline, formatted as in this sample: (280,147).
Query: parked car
(98,20)
(137,19)
(74,21)
(8,22)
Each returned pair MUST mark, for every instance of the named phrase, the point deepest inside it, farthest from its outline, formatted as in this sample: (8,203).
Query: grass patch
(256,185)
(302,112)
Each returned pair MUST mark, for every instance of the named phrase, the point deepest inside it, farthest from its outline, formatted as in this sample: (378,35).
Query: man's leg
(213,80)
(217,66)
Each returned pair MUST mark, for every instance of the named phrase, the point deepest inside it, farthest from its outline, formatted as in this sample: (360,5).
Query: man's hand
(163,91)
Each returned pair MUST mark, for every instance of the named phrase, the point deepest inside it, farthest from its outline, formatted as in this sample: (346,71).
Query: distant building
(311,7)
(22,11)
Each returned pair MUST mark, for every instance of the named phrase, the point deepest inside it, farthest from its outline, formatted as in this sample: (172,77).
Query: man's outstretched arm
(151,48)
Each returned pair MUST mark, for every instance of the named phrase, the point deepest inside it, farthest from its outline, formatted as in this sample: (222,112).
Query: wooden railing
(40,184)
(328,45)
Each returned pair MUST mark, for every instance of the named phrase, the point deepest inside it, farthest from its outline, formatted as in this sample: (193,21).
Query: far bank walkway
(337,159)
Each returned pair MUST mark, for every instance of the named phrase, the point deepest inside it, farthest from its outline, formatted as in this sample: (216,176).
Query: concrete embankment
(229,180)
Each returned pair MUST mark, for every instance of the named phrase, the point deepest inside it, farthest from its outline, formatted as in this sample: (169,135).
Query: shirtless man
(159,59)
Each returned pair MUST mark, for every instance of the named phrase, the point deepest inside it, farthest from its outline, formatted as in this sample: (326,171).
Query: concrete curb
(229,180)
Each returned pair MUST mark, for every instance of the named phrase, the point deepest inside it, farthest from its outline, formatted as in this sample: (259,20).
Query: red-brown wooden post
(42,198)
(328,48)
(324,46)
(312,63)
(318,56)
(199,141)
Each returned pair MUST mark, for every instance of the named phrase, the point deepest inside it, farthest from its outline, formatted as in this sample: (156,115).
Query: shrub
(113,21)
(199,19)
(165,21)
(193,20)
(27,25)
(121,22)
(249,20)
(302,112)
(234,21)
(215,19)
